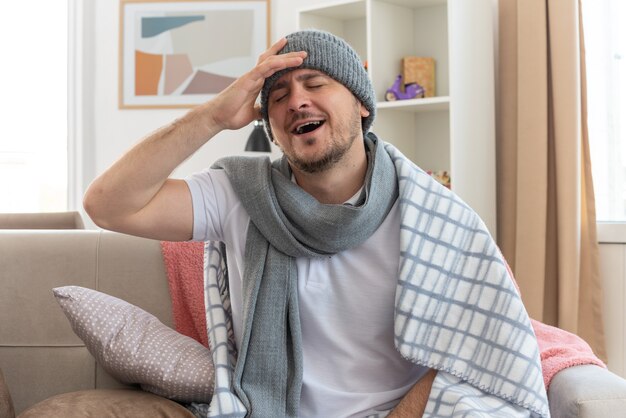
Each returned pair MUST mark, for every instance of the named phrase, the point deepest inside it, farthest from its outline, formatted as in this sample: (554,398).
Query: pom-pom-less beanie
(333,56)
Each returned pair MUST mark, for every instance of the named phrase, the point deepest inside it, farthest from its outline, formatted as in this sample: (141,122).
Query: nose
(298,99)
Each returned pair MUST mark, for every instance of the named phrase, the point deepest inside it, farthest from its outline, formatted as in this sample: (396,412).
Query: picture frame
(178,54)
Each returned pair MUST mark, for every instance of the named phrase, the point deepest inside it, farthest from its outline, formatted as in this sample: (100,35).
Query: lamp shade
(258,141)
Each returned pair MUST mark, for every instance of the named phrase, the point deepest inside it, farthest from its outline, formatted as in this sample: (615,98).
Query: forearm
(133,181)
(414,402)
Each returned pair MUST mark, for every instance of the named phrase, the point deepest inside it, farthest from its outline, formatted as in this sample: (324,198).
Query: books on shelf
(420,70)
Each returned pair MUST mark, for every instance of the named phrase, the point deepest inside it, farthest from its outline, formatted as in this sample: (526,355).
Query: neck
(340,182)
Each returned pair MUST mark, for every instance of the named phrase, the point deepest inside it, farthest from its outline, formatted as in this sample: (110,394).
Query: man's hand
(234,107)
(414,403)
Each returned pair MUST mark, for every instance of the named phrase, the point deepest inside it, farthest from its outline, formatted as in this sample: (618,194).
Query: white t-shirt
(351,367)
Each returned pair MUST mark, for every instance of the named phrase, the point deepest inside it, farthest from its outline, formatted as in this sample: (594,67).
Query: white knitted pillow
(135,347)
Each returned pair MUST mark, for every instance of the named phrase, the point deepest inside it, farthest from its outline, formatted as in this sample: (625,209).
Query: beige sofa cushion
(51,220)
(134,346)
(107,403)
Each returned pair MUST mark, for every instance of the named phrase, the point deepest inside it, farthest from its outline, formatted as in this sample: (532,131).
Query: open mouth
(308,127)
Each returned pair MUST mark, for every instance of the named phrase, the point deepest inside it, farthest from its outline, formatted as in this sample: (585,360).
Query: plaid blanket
(456,310)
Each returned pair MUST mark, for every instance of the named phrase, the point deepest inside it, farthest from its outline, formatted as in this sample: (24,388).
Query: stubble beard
(336,151)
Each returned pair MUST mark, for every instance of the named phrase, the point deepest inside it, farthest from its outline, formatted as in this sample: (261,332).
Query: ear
(364,112)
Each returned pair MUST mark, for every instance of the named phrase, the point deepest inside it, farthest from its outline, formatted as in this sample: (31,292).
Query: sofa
(48,370)
(41,220)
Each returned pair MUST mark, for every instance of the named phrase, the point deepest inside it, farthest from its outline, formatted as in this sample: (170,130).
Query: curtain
(546,209)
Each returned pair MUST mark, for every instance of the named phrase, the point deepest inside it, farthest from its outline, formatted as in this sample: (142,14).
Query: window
(33,144)
(605,44)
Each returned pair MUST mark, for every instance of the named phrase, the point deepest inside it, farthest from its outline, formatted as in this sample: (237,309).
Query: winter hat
(333,56)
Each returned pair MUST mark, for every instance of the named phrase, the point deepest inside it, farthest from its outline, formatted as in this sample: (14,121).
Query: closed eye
(279,94)
(279,98)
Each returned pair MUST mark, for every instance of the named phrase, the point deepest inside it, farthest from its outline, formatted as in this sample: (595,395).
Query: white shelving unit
(453,131)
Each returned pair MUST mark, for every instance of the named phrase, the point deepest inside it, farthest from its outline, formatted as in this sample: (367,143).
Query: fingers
(276,63)
(236,103)
(270,61)
(273,50)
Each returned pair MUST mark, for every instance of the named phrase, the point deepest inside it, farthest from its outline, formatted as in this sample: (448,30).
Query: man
(313,244)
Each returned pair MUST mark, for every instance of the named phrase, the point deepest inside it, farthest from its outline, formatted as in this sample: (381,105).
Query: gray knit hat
(330,55)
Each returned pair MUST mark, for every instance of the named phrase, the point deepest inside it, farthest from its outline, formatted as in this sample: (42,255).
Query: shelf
(341,10)
(346,19)
(416,3)
(418,105)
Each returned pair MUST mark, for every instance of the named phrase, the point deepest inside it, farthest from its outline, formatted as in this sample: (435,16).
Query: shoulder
(214,205)
(212,183)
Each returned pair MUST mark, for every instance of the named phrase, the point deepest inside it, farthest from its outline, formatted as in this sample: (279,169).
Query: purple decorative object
(411,90)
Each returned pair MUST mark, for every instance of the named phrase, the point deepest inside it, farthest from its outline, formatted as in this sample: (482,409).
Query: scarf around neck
(286,223)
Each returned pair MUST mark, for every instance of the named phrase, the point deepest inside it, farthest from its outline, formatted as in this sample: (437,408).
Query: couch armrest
(6,403)
(42,220)
(587,392)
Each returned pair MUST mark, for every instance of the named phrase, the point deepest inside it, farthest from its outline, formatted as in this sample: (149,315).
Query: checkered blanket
(456,310)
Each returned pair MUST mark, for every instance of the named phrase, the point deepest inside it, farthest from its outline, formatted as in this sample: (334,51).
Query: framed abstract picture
(176,54)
